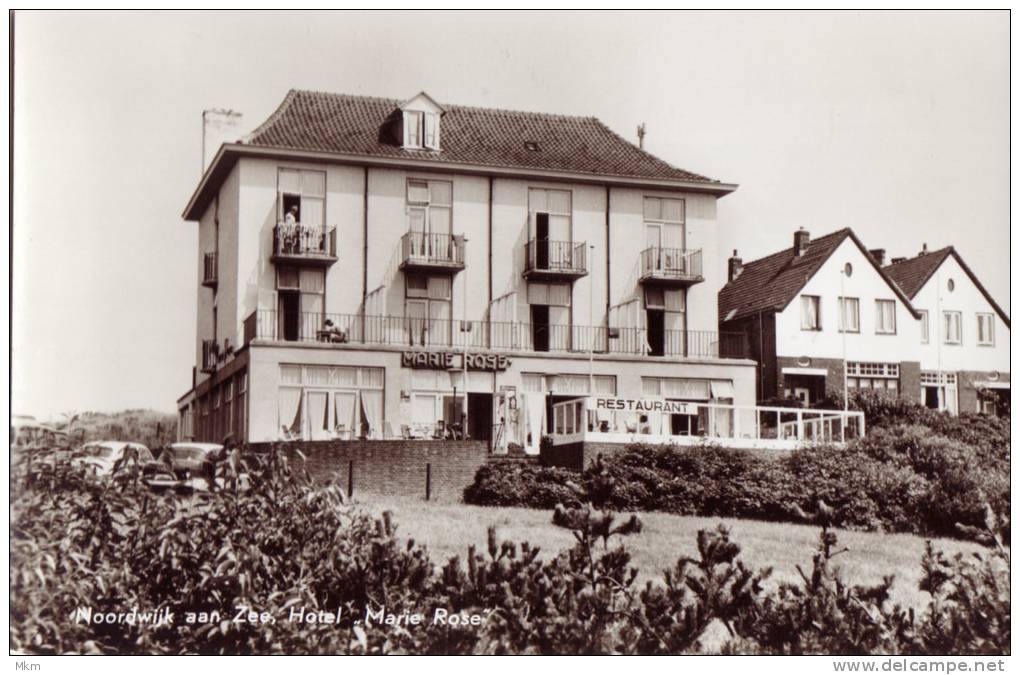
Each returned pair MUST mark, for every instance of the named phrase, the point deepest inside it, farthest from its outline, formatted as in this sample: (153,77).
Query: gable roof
(770,283)
(913,273)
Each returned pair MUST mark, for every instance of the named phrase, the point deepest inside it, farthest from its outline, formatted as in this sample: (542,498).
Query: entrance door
(290,315)
(931,397)
(542,241)
(480,416)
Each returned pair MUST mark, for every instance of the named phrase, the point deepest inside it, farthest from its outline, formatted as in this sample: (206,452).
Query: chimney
(801,239)
(641,136)
(879,255)
(897,260)
(218,127)
(736,266)
(924,249)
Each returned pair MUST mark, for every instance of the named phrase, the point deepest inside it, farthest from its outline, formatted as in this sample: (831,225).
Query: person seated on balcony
(332,332)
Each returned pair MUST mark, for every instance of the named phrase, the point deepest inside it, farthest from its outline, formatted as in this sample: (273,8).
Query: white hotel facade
(371,268)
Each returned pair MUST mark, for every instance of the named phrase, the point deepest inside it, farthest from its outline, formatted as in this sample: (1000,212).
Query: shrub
(286,545)
(522,484)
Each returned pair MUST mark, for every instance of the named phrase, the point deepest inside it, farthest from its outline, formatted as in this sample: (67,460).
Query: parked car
(187,459)
(102,456)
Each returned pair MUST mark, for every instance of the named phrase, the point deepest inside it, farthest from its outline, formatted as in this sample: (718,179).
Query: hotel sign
(454,361)
(645,405)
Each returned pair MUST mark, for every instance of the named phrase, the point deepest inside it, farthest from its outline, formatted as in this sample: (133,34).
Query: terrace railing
(555,258)
(667,264)
(412,332)
(311,242)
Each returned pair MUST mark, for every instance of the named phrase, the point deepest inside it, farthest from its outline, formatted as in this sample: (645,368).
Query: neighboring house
(964,338)
(811,309)
(365,262)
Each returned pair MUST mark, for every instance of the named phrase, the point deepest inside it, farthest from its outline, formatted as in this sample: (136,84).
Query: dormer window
(421,122)
(421,130)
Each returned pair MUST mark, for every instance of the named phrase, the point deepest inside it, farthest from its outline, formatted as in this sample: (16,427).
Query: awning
(805,371)
(991,385)
(721,388)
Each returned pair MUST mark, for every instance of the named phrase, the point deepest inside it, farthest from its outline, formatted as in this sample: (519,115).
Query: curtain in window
(440,193)
(684,388)
(290,411)
(430,130)
(290,181)
(311,315)
(886,316)
(344,405)
(347,377)
(318,415)
(425,409)
(849,315)
(317,375)
(651,386)
(416,310)
(290,374)
(371,377)
(439,288)
(439,322)
(531,382)
(534,410)
(808,312)
(673,210)
(372,409)
(558,202)
(605,385)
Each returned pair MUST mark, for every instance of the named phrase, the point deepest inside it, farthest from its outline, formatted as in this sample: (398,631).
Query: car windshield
(189,453)
(98,451)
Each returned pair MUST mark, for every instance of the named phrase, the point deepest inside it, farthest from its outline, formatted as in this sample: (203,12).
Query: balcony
(429,252)
(546,260)
(210,270)
(210,355)
(672,267)
(407,332)
(304,245)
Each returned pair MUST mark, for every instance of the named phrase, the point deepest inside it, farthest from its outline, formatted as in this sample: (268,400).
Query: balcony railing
(427,251)
(671,266)
(555,260)
(210,355)
(495,335)
(210,270)
(304,244)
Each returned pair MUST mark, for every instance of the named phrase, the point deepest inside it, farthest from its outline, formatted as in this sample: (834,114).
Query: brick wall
(393,467)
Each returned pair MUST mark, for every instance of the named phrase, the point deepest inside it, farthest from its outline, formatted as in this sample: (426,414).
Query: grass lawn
(448,529)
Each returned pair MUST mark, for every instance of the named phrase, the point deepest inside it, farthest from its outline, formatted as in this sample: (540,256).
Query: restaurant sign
(454,361)
(646,404)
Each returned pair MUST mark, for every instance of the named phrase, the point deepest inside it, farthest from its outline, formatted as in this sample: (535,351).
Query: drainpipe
(608,269)
(761,353)
(364,258)
(488,307)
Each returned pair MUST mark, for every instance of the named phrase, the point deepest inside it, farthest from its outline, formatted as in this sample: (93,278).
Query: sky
(894,124)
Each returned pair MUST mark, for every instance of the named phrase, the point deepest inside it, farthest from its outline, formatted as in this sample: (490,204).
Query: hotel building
(376,268)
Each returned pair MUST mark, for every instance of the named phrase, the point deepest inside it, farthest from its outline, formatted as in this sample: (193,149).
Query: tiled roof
(360,125)
(770,283)
(912,274)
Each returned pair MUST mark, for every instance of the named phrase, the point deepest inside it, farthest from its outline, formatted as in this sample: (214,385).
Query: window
(324,402)
(986,329)
(567,384)
(549,214)
(421,130)
(848,269)
(810,312)
(666,321)
(430,218)
(428,308)
(885,317)
(303,194)
(951,328)
(939,391)
(664,230)
(924,326)
(300,304)
(849,315)
(951,285)
(550,316)
(873,376)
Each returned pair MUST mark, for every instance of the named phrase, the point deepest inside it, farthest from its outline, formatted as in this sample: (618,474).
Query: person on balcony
(289,235)
(333,333)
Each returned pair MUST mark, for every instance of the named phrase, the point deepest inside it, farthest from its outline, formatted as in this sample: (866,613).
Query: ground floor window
(873,376)
(330,402)
(939,391)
